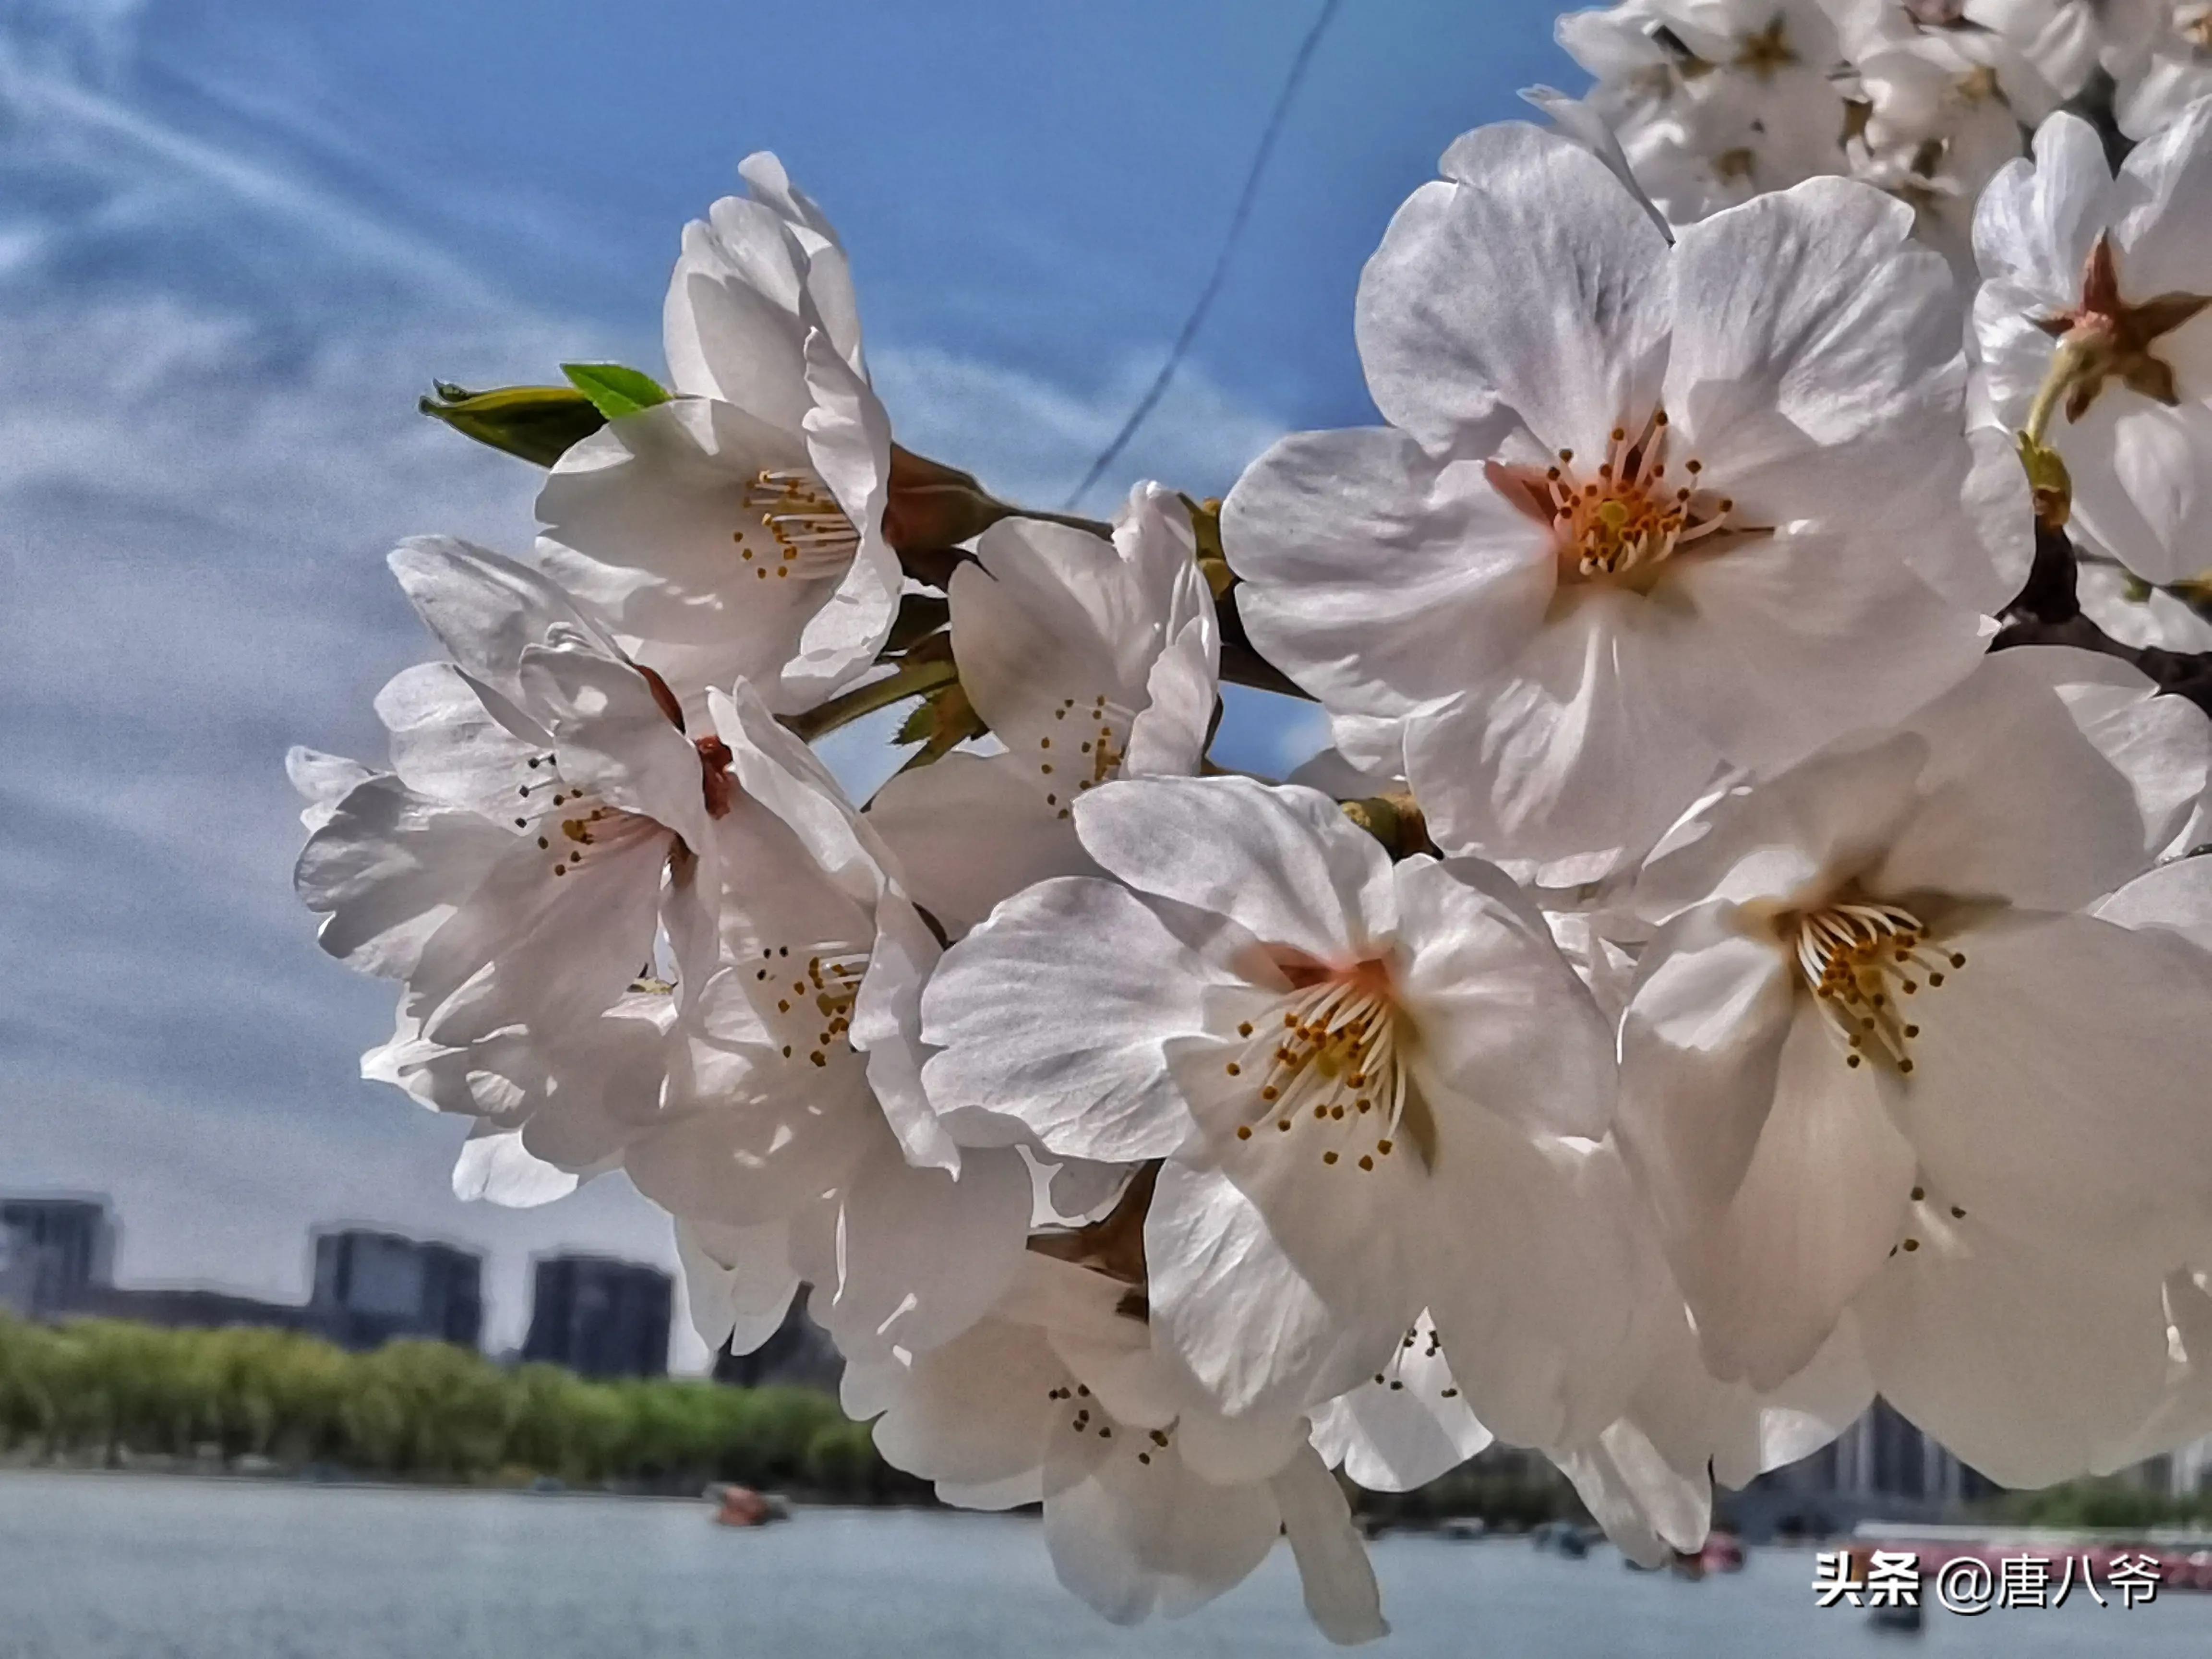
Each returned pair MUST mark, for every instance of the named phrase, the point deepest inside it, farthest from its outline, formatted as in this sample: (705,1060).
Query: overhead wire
(1237,220)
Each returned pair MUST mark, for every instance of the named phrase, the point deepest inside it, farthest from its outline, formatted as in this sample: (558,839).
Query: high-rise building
(600,1318)
(372,1287)
(57,1250)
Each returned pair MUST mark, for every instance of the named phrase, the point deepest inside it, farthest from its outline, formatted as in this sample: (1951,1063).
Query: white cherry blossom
(561,808)
(1090,661)
(796,1098)
(1153,1501)
(2159,53)
(1884,1058)
(2093,302)
(1714,102)
(1644,514)
(736,531)
(1358,1074)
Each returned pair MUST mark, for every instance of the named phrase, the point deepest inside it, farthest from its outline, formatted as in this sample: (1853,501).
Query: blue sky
(236,239)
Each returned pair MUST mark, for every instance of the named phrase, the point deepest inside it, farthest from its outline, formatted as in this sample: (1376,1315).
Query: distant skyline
(238,238)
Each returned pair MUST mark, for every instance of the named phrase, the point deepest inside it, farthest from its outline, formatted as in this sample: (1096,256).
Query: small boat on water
(741,1506)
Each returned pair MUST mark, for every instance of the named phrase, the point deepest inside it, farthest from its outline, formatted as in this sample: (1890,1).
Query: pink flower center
(1623,521)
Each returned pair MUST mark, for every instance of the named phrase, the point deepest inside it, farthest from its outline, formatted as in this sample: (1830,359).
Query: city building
(599,1317)
(800,1355)
(372,1288)
(56,1248)
(57,1261)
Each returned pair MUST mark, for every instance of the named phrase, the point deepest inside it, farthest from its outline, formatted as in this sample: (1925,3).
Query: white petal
(848,439)
(528,948)
(1283,863)
(485,609)
(1378,577)
(1564,766)
(2036,224)
(972,1414)
(2005,751)
(1131,1538)
(1701,1045)
(1787,837)
(2030,1362)
(923,1255)
(651,519)
(1054,1011)
(2177,897)
(1235,1307)
(2058,1086)
(1537,1273)
(1808,324)
(1502,1020)
(322,780)
(446,743)
(1789,641)
(1648,1508)
(614,740)
(494,1165)
(1048,616)
(1769,1273)
(1406,1430)
(389,867)
(737,1281)
(1339,1580)
(971,830)
(2165,189)
(887,1029)
(1529,281)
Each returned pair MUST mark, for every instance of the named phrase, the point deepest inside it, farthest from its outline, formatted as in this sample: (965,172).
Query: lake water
(123,1567)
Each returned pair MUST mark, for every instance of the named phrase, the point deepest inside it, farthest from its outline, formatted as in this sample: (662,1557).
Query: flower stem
(912,678)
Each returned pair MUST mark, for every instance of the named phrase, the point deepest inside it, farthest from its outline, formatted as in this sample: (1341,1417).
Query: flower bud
(933,506)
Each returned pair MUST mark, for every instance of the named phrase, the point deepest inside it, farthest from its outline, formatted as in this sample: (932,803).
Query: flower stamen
(1335,1064)
(1862,961)
(812,538)
(1625,522)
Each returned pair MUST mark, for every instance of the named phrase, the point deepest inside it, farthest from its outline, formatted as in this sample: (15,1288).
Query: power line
(1273,130)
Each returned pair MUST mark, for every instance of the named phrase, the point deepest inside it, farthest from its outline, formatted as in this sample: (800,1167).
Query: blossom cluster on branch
(1743,950)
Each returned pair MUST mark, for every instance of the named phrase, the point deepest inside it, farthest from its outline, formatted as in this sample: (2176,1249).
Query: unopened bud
(933,506)
(538,424)
(1393,820)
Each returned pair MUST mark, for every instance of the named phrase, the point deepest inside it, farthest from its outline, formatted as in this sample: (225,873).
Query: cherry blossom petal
(1283,863)
(1247,1317)
(1407,1428)
(1503,1022)
(1054,1011)
(1378,577)
(971,830)
(1339,1580)
(1565,767)
(1528,282)
(2056,1088)
(2031,1364)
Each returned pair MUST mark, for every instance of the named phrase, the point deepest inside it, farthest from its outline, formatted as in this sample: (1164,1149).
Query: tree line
(111,1393)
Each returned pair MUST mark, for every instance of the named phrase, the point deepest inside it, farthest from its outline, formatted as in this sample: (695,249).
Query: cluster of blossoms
(1705,982)
(1717,100)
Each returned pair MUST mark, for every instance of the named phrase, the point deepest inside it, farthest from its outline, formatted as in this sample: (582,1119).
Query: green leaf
(614,390)
(537,422)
